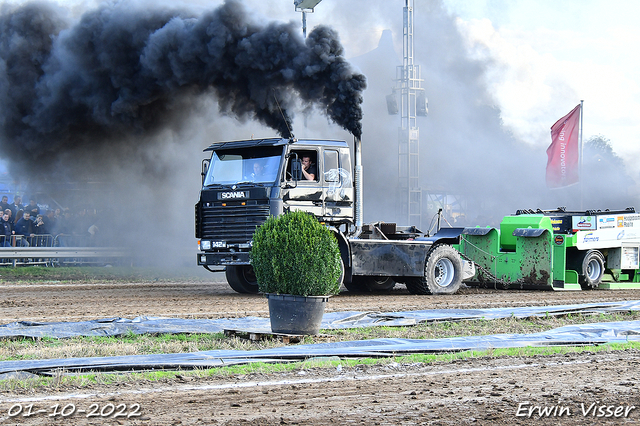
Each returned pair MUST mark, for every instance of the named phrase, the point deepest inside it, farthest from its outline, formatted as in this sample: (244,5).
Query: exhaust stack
(357,147)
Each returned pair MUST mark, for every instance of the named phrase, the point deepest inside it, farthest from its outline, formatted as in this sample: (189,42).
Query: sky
(586,45)
(543,57)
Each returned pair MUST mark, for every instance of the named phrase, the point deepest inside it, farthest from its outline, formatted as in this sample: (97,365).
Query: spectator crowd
(34,225)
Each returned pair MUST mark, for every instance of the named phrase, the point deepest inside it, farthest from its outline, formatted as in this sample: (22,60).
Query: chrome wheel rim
(444,272)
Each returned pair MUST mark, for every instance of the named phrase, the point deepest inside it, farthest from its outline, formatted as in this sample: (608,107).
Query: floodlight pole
(305,6)
(304,24)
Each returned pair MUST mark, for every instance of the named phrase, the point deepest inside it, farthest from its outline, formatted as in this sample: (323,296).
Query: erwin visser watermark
(595,409)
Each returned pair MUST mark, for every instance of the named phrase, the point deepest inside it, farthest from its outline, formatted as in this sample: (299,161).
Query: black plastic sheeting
(335,320)
(585,334)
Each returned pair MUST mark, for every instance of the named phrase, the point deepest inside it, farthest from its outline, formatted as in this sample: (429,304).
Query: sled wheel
(592,269)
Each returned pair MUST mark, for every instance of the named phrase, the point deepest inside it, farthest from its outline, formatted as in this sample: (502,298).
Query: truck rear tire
(442,272)
(374,283)
(416,286)
(357,285)
(242,279)
(369,284)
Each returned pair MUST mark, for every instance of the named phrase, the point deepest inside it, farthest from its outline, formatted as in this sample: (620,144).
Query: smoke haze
(102,97)
(123,70)
(467,156)
(129,93)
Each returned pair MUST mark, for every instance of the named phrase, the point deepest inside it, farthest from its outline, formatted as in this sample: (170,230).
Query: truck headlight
(205,245)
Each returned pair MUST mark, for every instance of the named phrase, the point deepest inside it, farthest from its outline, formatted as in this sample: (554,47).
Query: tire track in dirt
(88,301)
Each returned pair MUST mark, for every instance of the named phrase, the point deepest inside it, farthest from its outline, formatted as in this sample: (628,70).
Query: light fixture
(305,5)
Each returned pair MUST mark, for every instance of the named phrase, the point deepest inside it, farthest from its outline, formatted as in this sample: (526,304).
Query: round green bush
(295,254)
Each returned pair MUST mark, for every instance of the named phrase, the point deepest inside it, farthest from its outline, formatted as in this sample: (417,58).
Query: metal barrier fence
(59,250)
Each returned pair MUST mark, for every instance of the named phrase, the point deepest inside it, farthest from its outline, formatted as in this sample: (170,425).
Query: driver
(258,171)
(308,169)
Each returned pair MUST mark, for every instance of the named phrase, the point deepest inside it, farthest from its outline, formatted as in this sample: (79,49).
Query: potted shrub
(297,264)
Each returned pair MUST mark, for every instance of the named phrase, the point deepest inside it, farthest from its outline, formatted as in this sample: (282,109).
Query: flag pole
(581,155)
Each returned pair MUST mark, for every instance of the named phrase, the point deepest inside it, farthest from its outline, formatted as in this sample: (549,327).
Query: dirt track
(487,391)
(55,301)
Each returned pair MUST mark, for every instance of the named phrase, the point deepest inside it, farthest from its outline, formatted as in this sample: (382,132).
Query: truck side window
(331,166)
(308,163)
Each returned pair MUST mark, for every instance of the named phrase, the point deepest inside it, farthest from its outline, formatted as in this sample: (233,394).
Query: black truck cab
(244,182)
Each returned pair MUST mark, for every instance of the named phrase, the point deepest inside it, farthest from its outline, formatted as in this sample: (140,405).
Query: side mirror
(205,167)
(296,169)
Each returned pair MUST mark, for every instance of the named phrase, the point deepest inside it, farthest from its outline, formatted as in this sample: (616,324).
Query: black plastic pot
(290,314)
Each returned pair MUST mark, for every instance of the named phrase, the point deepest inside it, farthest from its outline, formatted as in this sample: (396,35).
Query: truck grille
(233,224)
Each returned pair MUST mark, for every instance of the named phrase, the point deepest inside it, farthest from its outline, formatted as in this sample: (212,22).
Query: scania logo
(235,194)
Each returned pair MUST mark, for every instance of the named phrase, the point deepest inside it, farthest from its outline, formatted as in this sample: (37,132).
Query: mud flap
(468,270)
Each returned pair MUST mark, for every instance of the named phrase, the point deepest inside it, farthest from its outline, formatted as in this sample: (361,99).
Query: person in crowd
(24,227)
(65,229)
(39,227)
(33,209)
(19,215)
(81,223)
(16,205)
(94,233)
(4,203)
(10,213)
(50,222)
(41,231)
(6,230)
(91,229)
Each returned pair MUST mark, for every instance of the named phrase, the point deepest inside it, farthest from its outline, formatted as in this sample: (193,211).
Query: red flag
(562,164)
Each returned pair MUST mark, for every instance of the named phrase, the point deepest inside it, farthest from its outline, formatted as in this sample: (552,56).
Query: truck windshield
(258,165)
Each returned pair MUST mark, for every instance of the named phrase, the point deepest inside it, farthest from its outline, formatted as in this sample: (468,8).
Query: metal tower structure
(413,103)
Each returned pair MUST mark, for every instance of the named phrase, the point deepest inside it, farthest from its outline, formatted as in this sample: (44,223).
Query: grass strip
(62,381)
(134,344)
(90,274)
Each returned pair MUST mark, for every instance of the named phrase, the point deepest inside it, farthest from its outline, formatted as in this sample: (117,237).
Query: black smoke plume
(123,70)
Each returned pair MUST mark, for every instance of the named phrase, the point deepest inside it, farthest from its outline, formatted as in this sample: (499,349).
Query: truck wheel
(374,283)
(442,272)
(416,286)
(242,279)
(591,269)
(357,285)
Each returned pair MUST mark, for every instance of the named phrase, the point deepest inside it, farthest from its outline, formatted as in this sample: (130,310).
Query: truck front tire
(442,272)
(242,279)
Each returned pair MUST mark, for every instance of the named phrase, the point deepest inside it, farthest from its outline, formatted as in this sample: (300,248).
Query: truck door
(337,191)
(301,193)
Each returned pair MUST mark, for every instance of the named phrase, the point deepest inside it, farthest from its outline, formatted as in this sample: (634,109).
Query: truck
(246,181)
(557,250)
